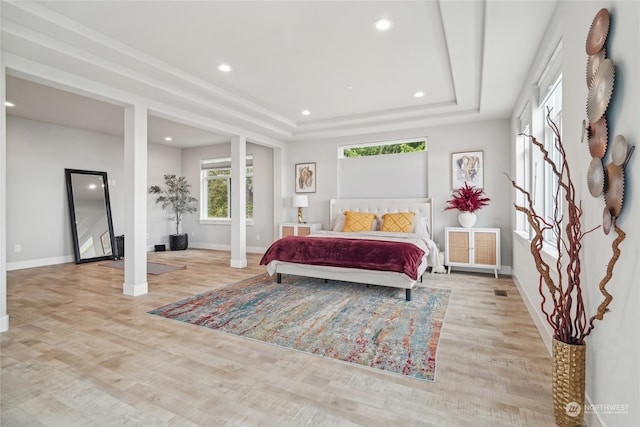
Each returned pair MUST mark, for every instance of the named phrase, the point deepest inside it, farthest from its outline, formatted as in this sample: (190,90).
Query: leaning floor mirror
(90,213)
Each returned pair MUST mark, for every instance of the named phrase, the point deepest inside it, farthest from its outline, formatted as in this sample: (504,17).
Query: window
(216,188)
(395,168)
(523,167)
(552,106)
(379,148)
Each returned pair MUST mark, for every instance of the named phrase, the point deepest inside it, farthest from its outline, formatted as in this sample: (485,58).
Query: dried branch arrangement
(567,316)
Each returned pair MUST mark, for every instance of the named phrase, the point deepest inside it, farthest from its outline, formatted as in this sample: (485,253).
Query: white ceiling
(470,59)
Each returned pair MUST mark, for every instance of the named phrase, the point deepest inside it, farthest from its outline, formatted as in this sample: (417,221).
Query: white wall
(162,160)
(492,137)
(613,349)
(37,209)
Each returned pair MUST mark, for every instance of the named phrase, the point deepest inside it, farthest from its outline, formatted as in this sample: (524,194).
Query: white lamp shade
(300,201)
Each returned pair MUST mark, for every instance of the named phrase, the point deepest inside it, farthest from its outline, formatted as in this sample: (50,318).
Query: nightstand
(472,247)
(297,229)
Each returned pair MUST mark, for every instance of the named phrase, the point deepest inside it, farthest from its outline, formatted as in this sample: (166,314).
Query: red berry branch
(567,316)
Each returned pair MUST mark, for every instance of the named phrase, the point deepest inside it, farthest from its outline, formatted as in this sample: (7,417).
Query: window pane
(249,196)
(218,198)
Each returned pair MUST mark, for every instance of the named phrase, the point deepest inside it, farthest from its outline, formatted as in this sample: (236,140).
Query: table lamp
(300,202)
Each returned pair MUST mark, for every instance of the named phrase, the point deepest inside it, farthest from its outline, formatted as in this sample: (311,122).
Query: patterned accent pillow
(398,222)
(359,221)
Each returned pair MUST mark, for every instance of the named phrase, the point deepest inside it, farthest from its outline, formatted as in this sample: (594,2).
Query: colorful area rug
(152,267)
(372,326)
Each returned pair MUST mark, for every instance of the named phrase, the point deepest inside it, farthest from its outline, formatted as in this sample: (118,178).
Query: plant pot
(178,242)
(568,382)
(467,219)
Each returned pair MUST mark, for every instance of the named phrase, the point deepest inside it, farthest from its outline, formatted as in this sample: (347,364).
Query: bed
(415,248)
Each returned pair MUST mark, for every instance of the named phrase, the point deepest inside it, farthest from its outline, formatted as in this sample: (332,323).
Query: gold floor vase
(568,383)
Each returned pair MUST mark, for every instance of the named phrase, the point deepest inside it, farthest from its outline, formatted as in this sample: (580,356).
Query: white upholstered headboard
(422,207)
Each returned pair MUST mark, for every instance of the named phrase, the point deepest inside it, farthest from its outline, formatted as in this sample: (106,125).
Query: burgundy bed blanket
(351,253)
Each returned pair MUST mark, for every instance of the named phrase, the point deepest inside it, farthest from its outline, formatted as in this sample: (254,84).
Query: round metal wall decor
(615,189)
(598,137)
(606,220)
(619,149)
(600,91)
(598,32)
(595,177)
(593,62)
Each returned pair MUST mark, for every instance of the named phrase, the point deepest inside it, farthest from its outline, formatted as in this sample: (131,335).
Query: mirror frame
(72,214)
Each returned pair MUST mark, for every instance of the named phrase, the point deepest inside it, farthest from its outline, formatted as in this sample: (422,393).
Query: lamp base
(300,216)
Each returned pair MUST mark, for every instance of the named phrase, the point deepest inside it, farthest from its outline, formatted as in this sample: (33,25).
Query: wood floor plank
(79,352)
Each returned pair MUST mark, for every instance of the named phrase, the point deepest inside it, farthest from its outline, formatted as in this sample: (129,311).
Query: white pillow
(338,222)
(421,226)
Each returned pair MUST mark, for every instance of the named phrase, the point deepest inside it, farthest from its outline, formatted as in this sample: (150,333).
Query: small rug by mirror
(373,326)
(152,267)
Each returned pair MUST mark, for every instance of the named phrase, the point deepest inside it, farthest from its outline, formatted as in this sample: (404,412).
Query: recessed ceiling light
(418,94)
(306,112)
(225,68)
(168,138)
(348,87)
(9,104)
(383,24)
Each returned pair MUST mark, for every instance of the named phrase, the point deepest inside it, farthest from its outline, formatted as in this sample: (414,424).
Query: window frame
(523,169)
(225,164)
(552,107)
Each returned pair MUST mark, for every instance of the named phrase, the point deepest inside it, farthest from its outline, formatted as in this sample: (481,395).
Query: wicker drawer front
(304,231)
(459,247)
(299,229)
(485,248)
(287,230)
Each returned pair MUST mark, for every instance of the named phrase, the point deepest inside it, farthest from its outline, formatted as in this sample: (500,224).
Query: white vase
(467,219)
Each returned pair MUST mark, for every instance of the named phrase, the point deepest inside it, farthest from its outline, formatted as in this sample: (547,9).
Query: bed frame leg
(408,294)
(279,277)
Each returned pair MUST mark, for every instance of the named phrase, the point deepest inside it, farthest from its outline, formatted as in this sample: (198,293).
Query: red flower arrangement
(467,199)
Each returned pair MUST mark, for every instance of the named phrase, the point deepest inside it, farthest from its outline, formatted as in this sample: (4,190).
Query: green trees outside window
(216,182)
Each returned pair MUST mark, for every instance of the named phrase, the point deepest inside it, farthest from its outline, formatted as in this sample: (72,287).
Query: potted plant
(467,200)
(177,195)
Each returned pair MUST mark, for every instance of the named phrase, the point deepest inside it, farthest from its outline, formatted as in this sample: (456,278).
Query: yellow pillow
(358,221)
(399,222)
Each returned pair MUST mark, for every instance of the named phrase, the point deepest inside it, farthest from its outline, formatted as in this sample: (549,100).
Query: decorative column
(135,201)
(4,316)
(238,201)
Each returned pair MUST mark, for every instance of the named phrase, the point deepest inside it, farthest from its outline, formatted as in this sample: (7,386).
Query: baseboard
(135,290)
(4,323)
(591,418)
(220,247)
(19,265)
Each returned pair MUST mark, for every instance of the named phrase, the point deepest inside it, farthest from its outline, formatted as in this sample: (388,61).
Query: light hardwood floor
(80,353)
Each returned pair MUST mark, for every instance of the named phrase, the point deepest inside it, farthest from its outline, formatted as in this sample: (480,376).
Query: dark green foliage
(376,150)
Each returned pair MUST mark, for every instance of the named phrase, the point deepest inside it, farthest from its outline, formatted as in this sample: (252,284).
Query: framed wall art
(467,167)
(306,177)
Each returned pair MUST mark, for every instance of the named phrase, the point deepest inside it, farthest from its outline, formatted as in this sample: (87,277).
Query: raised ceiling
(469,58)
